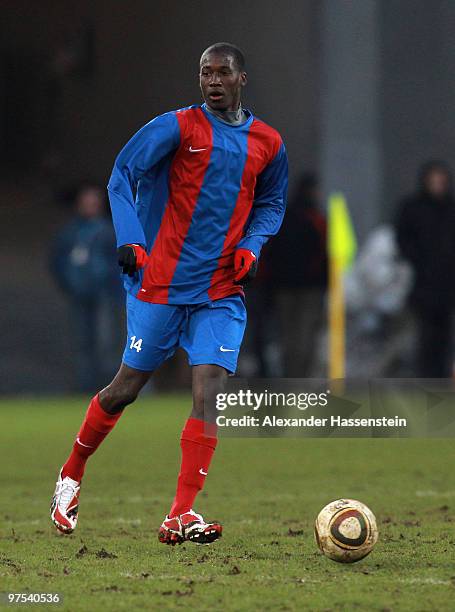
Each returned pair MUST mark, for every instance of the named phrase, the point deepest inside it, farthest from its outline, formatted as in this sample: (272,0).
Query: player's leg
(153,331)
(198,442)
(102,415)
(212,341)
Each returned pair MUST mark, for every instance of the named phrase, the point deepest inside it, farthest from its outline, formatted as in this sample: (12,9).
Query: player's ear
(243,79)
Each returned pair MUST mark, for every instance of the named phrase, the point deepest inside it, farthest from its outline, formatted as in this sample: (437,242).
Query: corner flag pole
(341,250)
(337,321)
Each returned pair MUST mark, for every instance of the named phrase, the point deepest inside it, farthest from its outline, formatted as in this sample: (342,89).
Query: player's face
(221,82)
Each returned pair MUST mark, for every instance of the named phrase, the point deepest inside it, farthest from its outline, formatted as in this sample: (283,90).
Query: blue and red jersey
(192,189)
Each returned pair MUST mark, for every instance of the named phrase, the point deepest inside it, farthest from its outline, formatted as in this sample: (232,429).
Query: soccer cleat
(198,531)
(65,504)
(171,531)
(189,527)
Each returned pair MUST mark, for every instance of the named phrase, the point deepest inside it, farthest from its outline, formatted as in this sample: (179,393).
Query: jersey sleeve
(269,203)
(146,148)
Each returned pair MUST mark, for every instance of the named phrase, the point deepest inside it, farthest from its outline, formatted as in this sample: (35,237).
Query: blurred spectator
(83,263)
(260,355)
(426,238)
(298,273)
(379,282)
(380,339)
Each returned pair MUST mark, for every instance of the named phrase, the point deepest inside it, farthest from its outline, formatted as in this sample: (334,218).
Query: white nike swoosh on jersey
(191,150)
(226,350)
(201,471)
(82,444)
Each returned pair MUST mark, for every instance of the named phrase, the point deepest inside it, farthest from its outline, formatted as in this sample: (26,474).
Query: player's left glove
(131,257)
(245,266)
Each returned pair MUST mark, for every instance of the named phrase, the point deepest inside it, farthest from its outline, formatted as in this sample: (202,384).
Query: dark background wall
(146,62)
(418,89)
(143,62)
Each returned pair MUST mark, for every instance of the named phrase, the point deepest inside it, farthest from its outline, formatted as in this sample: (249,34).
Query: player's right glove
(131,257)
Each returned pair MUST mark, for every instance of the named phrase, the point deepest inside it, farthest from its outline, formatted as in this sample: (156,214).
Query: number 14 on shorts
(136,343)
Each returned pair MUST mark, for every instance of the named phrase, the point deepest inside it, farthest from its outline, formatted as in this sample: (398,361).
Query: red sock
(198,443)
(95,427)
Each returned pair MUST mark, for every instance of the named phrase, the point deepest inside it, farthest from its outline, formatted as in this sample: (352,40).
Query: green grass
(267,493)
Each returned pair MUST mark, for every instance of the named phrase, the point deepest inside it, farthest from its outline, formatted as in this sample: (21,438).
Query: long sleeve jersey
(192,189)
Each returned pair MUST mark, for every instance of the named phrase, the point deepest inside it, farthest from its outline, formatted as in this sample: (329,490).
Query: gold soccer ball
(346,530)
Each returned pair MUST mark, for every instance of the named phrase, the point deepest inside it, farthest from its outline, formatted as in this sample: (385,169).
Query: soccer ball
(346,530)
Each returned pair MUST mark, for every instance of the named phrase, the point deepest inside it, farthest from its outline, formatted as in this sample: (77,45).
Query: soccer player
(194,195)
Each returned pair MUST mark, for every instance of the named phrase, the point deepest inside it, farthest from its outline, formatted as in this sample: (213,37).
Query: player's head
(435,179)
(222,76)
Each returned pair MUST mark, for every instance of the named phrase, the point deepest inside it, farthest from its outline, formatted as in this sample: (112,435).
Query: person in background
(298,274)
(426,238)
(83,262)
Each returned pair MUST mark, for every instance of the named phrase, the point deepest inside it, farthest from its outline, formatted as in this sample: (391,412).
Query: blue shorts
(210,333)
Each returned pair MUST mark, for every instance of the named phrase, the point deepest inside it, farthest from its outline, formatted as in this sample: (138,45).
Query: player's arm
(267,214)
(146,148)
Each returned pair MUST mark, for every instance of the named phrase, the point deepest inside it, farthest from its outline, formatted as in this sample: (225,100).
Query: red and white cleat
(171,531)
(65,504)
(189,527)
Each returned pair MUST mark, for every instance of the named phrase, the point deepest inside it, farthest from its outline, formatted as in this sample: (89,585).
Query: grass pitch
(266,492)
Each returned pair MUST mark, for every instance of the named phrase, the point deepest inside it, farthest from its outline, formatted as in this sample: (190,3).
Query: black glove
(131,257)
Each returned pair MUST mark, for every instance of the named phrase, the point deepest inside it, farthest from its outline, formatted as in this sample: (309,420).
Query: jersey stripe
(180,206)
(212,214)
(223,278)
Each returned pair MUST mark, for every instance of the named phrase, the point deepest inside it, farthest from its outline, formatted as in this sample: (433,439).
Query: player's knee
(114,399)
